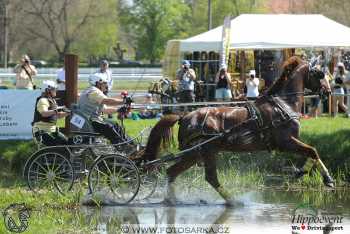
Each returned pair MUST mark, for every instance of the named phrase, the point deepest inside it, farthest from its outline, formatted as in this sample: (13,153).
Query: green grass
(329,136)
(58,214)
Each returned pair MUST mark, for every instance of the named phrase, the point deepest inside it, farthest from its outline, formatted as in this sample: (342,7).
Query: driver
(45,117)
(94,103)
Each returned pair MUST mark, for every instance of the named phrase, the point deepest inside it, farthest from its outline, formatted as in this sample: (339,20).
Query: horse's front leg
(296,146)
(173,172)
(212,178)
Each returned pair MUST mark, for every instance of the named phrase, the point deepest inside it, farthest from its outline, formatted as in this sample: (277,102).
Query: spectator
(24,74)
(186,77)
(252,84)
(338,85)
(147,112)
(347,86)
(61,86)
(223,85)
(315,101)
(106,73)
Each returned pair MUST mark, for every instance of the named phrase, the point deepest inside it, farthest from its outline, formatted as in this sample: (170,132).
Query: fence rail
(84,73)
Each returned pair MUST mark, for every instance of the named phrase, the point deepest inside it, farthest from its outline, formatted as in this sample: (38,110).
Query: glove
(128,100)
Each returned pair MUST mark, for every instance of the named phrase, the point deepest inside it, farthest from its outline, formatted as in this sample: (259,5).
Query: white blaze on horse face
(325,83)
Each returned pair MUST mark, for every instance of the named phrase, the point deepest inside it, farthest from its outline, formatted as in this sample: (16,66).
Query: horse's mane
(288,67)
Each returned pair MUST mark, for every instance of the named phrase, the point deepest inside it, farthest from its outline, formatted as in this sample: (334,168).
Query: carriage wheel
(116,177)
(51,171)
(148,185)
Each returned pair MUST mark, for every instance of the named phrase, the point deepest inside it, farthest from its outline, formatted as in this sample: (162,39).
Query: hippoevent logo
(305,217)
(16,217)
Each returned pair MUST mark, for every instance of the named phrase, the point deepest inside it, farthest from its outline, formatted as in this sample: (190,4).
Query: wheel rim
(148,185)
(116,177)
(50,171)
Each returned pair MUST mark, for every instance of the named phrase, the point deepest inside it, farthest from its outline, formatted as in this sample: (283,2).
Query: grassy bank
(237,172)
(330,136)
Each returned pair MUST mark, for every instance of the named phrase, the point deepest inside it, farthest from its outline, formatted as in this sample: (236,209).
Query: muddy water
(263,211)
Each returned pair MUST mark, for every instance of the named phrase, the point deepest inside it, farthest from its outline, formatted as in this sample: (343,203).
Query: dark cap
(104,62)
(186,63)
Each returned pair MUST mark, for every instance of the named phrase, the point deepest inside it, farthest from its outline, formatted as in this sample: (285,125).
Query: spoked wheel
(148,185)
(51,171)
(116,177)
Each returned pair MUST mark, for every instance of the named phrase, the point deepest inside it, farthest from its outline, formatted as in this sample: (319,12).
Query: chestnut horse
(270,123)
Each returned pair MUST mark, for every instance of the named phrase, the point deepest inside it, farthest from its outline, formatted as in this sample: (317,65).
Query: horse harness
(254,128)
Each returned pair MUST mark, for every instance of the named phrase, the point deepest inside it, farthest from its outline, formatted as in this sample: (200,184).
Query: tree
(149,24)
(221,9)
(62,23)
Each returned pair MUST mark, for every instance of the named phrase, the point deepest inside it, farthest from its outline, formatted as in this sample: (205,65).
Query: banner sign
(225,46)
(16,113)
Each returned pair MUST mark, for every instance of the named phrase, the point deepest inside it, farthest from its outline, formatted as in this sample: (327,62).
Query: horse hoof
(328,181)
(234,203)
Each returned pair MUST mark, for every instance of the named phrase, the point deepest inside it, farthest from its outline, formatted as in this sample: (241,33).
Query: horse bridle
(321,92)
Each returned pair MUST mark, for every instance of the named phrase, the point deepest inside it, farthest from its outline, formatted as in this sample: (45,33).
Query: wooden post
(71,73)
(242,68)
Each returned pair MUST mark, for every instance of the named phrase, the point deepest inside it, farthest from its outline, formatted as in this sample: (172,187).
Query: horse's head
(317,82)
(288,69)
(289,66)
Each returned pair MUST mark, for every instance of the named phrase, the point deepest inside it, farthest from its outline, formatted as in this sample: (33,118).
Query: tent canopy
(278,31)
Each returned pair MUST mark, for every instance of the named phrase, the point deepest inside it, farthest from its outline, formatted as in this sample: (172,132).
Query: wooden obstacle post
(71,62)
(242,68)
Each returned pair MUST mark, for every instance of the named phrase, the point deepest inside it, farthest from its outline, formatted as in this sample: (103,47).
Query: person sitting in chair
(46,113)
(94,103)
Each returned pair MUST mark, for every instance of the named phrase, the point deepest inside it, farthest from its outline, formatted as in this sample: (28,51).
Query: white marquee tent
(278,31)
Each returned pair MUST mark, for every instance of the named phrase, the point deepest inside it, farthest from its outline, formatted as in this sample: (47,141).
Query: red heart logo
(303,226)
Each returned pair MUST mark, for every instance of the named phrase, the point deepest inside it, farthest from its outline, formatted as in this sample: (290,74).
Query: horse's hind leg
(295,145)
(212,178)
(173,171)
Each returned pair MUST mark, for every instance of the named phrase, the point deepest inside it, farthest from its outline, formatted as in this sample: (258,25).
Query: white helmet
(97,78)
(49,84)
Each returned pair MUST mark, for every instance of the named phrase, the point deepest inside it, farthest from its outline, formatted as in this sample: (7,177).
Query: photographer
(24,74)
(186,77)
(46,115)
(223,84)
(252,84)
(338,85)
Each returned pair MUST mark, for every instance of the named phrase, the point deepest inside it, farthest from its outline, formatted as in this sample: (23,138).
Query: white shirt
(108,75)
(61,76)
(252,87)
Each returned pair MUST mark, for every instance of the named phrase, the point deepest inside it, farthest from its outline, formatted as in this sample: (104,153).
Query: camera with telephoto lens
(128,100)
(339,80)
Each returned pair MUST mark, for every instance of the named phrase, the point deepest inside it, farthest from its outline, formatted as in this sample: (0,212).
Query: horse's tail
(161,134)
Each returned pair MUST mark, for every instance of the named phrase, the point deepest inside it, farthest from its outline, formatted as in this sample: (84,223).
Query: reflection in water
(265,211)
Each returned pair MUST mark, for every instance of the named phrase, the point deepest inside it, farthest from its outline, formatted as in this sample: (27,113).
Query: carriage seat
(86,128)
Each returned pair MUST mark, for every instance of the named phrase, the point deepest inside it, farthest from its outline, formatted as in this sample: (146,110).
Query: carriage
(116,170)
(88,154)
